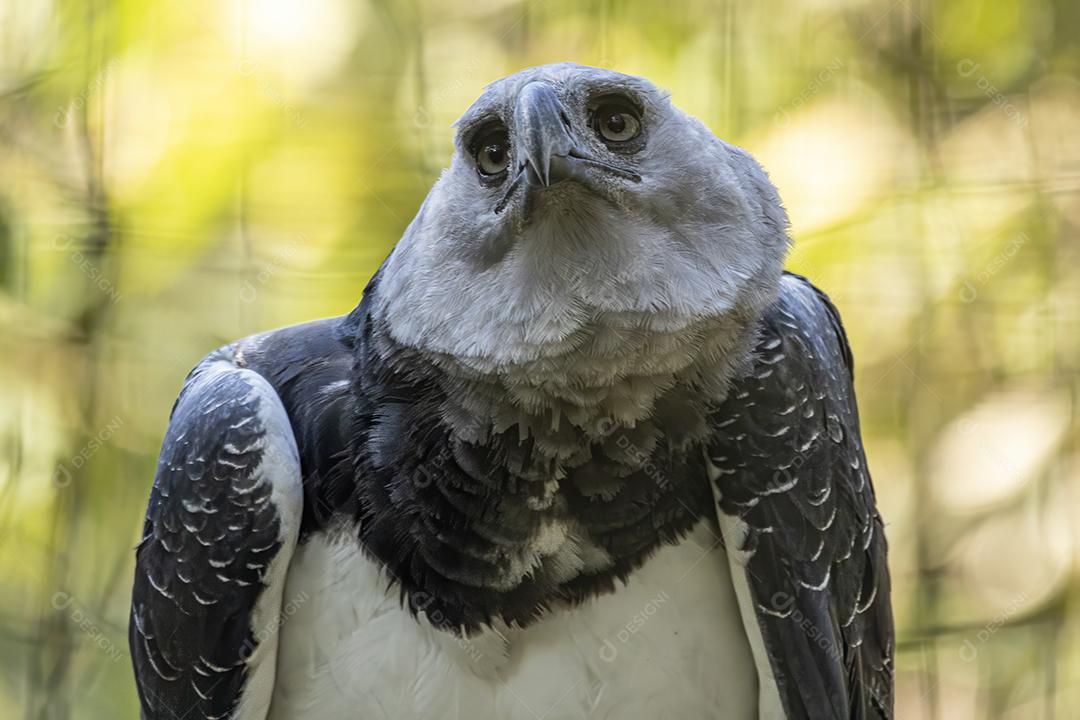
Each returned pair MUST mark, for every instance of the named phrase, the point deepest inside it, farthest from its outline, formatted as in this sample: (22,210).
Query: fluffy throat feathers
(618,375)
(496,490)
(493,496)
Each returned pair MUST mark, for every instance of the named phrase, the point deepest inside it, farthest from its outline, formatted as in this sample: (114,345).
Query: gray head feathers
(590,298)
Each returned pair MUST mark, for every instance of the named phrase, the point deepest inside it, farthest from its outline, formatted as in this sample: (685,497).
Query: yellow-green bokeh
(177,174)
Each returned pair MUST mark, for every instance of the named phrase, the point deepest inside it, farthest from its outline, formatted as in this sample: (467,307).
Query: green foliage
(174,175)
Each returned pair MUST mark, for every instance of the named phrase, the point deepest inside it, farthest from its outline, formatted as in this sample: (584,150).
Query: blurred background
(177,174)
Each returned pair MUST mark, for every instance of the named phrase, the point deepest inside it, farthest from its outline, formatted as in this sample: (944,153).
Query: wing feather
(220,526)
(788,465)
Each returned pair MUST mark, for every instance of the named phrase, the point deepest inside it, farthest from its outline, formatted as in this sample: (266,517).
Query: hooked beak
(546,151)
(544,137)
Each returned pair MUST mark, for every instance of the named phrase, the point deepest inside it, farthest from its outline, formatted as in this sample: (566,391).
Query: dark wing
(220,527)
(795,497)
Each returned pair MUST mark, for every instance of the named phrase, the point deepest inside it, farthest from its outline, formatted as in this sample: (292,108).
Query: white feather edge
(733,531)
(279,466)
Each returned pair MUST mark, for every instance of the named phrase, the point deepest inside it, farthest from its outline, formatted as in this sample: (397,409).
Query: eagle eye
(616,120)
(491,149)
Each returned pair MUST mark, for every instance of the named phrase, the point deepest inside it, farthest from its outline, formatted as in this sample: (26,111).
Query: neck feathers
(497,494)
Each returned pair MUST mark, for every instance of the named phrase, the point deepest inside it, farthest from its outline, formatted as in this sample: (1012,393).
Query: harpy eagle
(583,450)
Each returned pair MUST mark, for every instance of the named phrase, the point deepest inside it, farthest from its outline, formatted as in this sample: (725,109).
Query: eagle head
(587,231)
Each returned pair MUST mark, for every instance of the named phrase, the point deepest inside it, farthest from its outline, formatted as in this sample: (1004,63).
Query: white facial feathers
(654,239)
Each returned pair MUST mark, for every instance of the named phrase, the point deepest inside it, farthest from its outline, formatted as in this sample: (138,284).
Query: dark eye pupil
(616,123)
(495,152)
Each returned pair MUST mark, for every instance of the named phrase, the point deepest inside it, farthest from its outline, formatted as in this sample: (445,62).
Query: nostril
(565,119)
